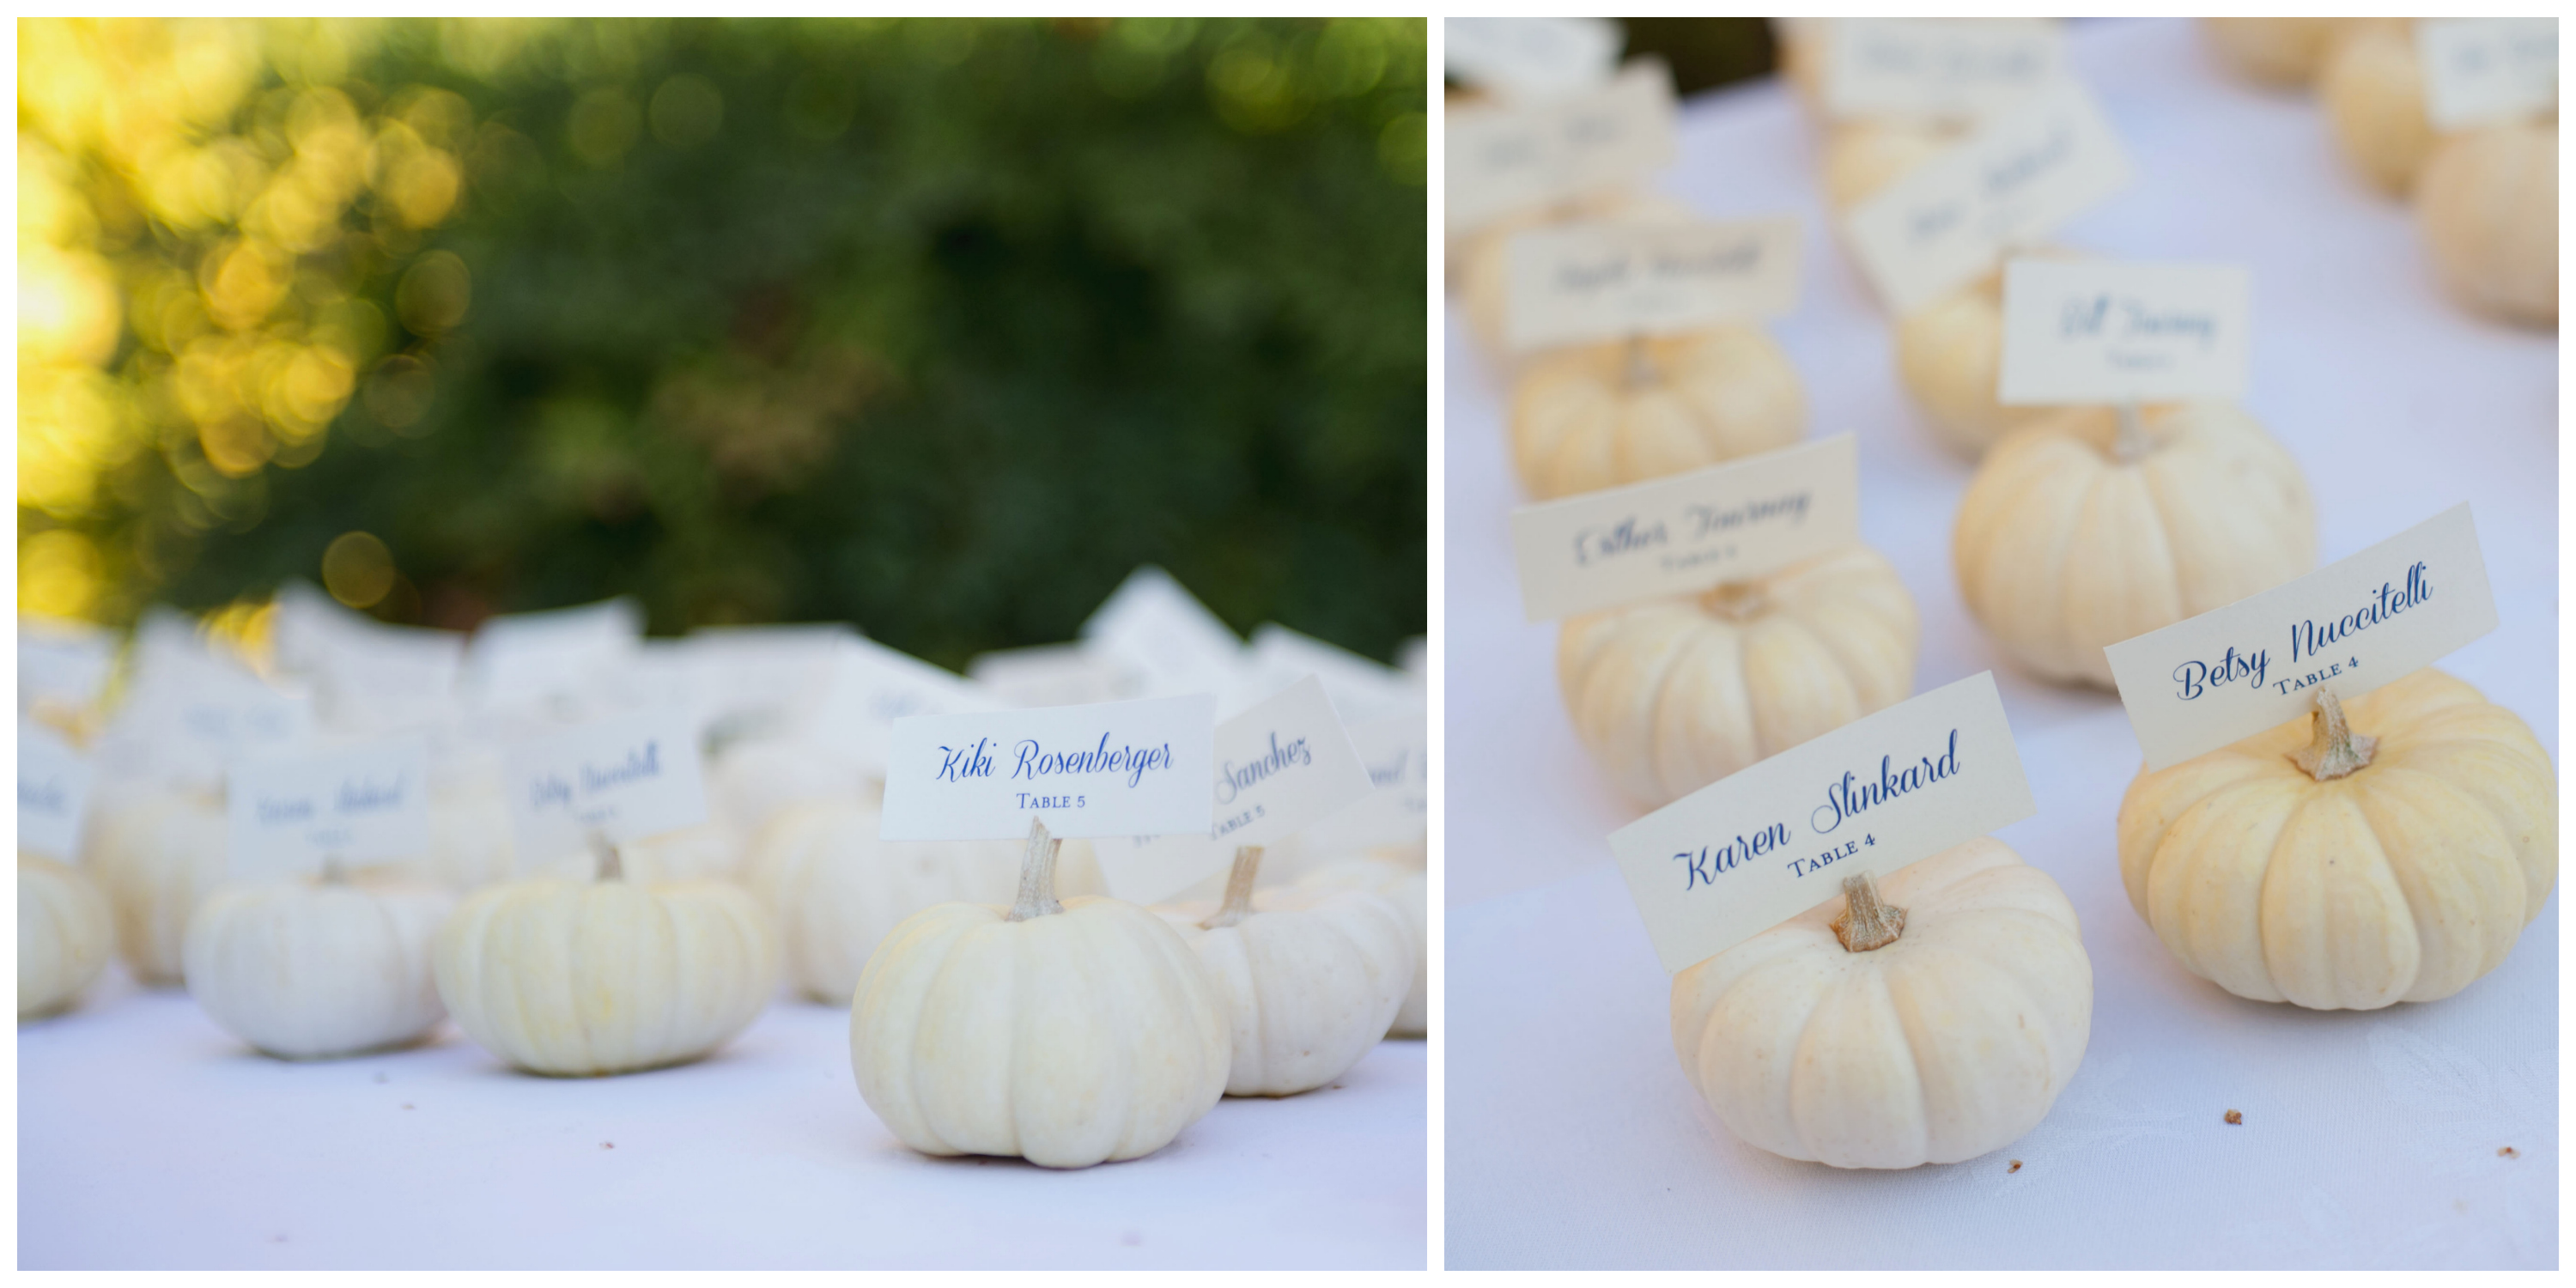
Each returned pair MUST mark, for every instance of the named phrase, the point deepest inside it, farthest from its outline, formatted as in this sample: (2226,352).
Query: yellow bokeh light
(357,569)
(58,575)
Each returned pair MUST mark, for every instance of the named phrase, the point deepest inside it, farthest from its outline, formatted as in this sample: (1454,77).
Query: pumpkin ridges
(2328,870)
(2121,578)
(1846,1121)
(1695,709)
(2205,899)
(1944,994)
(2018,580)
(2211,449)
(1780,652)
(2464,893)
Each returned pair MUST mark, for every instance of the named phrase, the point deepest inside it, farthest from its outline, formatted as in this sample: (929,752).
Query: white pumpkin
(1864,157)
(470,845)
(1404,886)
(1313,977)
(156,853)
(698,852)
(65,933)
(1594,416)
(836,890)
(751,782)
(2488,207)
(1950,354)
(2081,531)
(1485,261)
(2373,88)
(1943,1042)
(577,978)
(1673,694)
(2272,51)
(2383,850)
(316,967)
(1066,1033)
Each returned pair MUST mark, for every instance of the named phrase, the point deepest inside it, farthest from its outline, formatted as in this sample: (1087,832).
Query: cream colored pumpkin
(156,853)
(1602,415)
(2273,51)
(1950,354)
(1404,886)
(1312,977)
(752,782)
(576,978)
(1948,1042)
(65,934)
(2404,879)
(312,968)
(1067,1033)
(470,845)
(1864,157)
(2076,534)
(1671,695)
(2488,208)
(1485,258)
(2373,89)
(836,890)
(698,852)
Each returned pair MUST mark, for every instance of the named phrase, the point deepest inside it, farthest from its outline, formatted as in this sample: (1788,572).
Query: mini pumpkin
(2488,208)
(1312,977)
(1485,258)
(2273,51)
(1864,157)
(316,967)
(2090,527)
(1594,416)
(2385,850)
(156,853)
(1929,1019)
(1950,354)
(1067,1033)
(578,978)
(1673,694)
(1403,885)
(836,889)
(65,934)
(2373,89)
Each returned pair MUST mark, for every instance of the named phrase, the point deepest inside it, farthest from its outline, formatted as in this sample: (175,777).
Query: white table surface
(2370,1138)
(149,1138)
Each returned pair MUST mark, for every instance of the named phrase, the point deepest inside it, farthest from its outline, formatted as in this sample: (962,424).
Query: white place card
(626,777)
(761,673)
(1689,532)
(2088,331)
(1602,281)
(2230,673)
(1942,70)
(519,657)
(53,793)
(1280,766)
(1776,838)
(1499,159)
(1531,57)
(1154,627)
(356,805)
(1139,768)
(2487,71)
(1053,675)
(2009,184)
(1397,811)
(1362,688)
(62,662)
(873,686)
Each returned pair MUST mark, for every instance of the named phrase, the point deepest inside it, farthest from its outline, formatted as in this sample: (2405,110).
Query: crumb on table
(2014,1168)
(2235,1119)
(2507,1152)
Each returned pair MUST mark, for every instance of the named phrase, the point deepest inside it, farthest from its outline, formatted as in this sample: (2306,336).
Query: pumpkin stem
(1736,601)
(332,873)
(1867,921)
(2336,751)
(1037,877)
(1641,370)
(612,867)
(2132,441)
(1238,889)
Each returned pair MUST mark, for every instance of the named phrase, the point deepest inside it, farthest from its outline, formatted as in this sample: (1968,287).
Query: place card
(1053,675)
(1159,630)
(2009,184)
(1689,532)
(1939,70)
(1504,158)
(356,806)
(2487,71)
(1531,57)
(1280,766)
(62,662)
(53,793)
(626,777)
(2230,673)
(1602,281)
(1774,839)
(1139,768)
(873,686)
(520,657)
(2091,331)
(1396,749)
(1362,688)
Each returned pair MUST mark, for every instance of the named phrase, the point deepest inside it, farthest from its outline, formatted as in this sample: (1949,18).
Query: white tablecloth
(2368,1139)
(149,1138)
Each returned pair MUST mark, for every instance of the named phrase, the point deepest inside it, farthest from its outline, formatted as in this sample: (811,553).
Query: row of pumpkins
(1069,1033)
(2390,850)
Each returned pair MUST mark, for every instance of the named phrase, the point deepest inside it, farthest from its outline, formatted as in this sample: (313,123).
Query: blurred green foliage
(939,327)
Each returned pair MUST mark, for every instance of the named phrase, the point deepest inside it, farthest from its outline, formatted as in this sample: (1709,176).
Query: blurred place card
(1590,282)
(1160,630)
(873,686)
(1361,688)
(1503,158)
(1280,766)
(1052,675)
(1689,532)
(1772,840)
(1531,57)
(525,656)
(53,793)
(2088,331)
(1396,749)
(2350,627)
(1939,69)
(1137,768)
(765,672)
(2007,185)
(60,662)
(626,777)
(2487,71)
(355,806)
